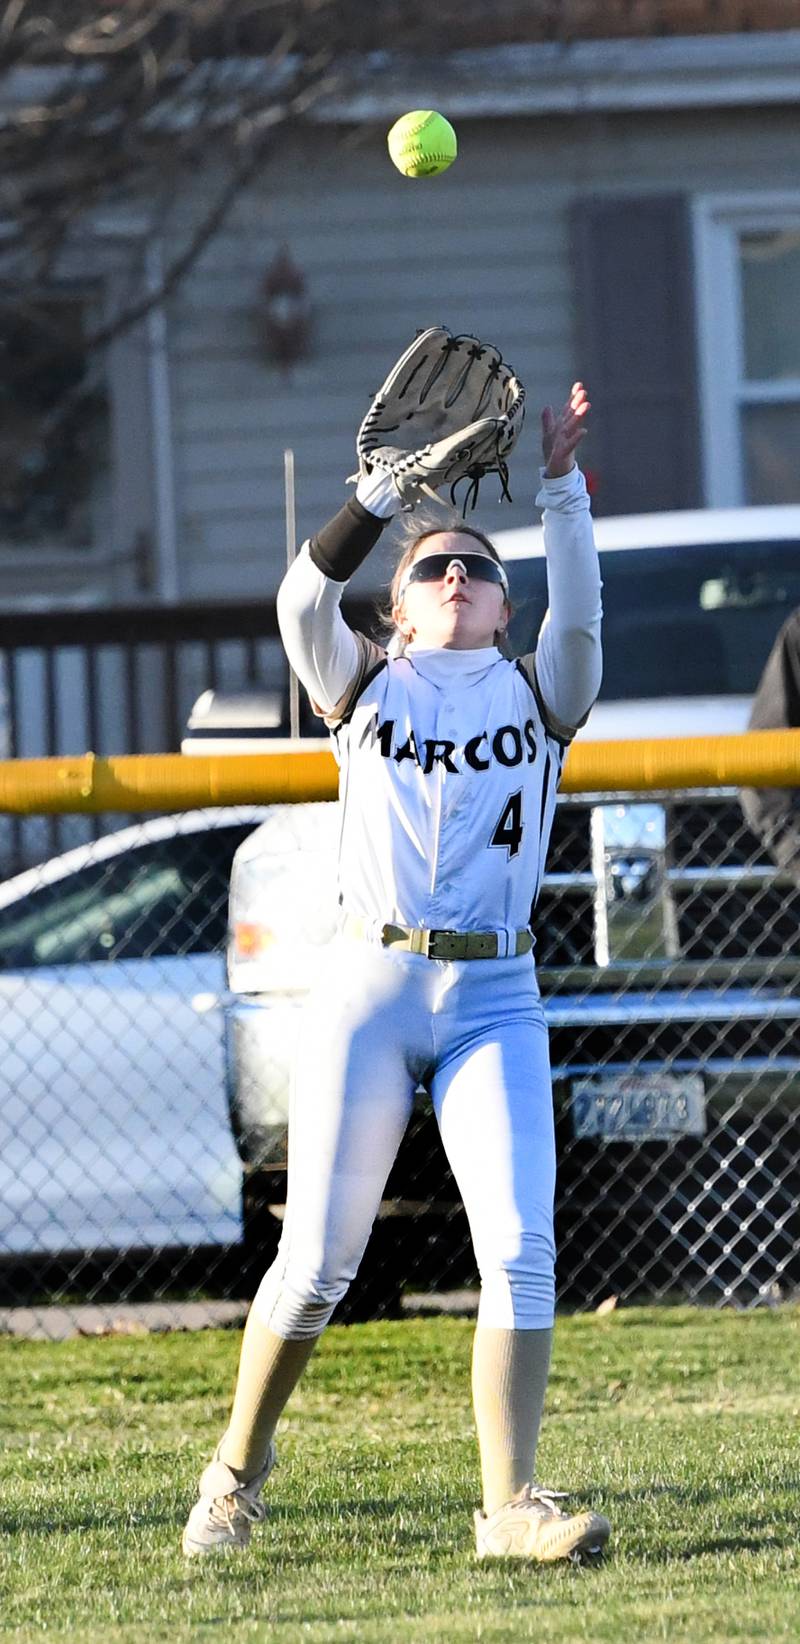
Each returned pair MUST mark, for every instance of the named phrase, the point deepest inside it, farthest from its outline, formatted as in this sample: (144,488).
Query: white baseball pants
(378,1023)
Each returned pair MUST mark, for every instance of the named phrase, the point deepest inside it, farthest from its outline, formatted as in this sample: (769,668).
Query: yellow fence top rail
(307,770)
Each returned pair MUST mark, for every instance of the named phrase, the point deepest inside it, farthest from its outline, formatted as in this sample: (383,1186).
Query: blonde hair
(413,533)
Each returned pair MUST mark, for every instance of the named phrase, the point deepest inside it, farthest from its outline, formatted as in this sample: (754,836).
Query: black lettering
(529,733)
(508,832)
(407,750)
(471,753)
(439,752)
(385,734)
(499,749)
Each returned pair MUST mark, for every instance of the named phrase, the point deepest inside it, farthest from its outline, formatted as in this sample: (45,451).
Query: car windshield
(161,898)
(688,621)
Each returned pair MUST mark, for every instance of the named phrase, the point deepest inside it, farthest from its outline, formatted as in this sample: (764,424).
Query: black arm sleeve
(343,544)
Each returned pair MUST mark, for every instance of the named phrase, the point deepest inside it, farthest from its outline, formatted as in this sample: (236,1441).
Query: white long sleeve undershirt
(569,661)
(324,654)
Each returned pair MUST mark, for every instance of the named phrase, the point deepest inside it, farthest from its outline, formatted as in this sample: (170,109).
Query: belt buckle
(443,944)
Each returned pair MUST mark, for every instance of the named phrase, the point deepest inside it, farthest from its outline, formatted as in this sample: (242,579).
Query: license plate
(638,1107)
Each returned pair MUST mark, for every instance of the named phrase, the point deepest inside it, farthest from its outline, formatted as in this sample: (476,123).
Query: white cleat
(532,1526)
(227,1509)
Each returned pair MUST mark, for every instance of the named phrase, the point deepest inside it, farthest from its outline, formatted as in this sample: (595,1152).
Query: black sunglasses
(434,568)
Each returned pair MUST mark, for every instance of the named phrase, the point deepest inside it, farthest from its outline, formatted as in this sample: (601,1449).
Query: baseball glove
(450,409)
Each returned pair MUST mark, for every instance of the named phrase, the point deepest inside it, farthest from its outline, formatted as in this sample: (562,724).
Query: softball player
(449,757)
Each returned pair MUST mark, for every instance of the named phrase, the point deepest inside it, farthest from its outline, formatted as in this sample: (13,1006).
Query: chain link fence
(146,1042)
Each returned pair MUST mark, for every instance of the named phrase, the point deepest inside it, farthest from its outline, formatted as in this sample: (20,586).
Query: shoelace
(255,1511)
(542,1498)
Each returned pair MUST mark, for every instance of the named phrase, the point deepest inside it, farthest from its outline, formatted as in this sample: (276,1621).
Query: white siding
(484,248)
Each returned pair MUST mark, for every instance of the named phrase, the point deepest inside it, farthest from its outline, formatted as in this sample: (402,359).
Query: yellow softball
(422,143)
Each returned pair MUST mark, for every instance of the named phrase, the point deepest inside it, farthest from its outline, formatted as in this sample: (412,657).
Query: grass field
(682,1426)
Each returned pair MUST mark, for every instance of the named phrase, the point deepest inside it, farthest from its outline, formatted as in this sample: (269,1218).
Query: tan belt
(444,944)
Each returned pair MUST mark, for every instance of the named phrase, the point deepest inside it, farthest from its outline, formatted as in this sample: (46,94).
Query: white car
(693,601)
(115,1132)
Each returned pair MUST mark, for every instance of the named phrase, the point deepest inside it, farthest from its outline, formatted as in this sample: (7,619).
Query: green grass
(682,1426)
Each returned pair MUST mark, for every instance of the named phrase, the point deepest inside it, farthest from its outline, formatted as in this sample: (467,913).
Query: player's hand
(563,431)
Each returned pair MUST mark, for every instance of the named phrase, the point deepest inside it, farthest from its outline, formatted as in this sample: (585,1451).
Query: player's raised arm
(325,654)
(568,654)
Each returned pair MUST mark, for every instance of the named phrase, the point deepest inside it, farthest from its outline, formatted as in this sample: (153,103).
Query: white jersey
(448,787)
(450,760)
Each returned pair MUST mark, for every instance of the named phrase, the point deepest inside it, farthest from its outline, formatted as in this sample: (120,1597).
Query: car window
(716,607)
(164,897)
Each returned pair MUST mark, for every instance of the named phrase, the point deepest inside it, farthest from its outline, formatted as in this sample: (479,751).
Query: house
(624,208)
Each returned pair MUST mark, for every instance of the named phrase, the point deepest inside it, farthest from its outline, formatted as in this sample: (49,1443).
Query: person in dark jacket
(773,814)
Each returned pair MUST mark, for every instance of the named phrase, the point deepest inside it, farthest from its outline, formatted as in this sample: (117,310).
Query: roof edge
(492,82)
(698,71)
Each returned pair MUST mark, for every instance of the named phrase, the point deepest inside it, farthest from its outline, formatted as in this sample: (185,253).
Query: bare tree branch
(126,101)
(110,101)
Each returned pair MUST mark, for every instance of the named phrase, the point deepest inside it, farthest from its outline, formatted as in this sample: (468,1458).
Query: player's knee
(518,1286)
(298,1305)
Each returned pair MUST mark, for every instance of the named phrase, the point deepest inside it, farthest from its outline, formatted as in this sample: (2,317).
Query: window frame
(718,220)
(119,258)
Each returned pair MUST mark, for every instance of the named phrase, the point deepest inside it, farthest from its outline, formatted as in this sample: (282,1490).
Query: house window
(748,334)
(769,268)
(54,424)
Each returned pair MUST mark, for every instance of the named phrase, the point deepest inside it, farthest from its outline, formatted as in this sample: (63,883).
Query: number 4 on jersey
(509,825)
